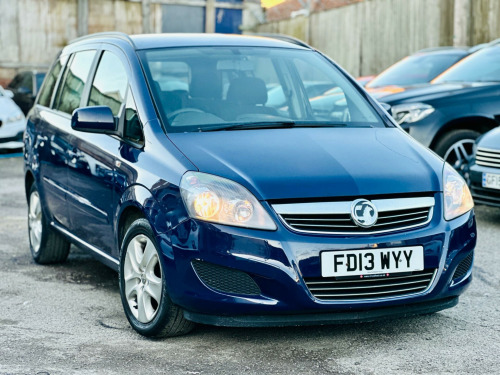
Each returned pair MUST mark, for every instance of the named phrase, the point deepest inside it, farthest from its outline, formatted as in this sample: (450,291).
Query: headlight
(457,197)
(222,201)
(15,118)
(409,113)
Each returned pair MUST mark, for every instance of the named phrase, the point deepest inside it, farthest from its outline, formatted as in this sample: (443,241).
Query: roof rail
(110,34)
(284,38)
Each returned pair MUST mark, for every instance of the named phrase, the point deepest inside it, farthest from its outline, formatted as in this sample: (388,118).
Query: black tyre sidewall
(155,327)
(452,137)
(37,256)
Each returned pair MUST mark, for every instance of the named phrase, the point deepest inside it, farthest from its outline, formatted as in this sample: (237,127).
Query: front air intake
(464,267)
(225,279)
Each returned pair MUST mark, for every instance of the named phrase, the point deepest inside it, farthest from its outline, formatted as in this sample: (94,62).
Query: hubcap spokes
(35,221)
(459,156)
(143,279)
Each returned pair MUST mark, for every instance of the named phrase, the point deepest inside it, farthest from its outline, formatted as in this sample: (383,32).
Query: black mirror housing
(97,119)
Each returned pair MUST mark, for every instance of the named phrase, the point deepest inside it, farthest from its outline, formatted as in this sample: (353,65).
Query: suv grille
(331,289)
(335,217)
(488,157)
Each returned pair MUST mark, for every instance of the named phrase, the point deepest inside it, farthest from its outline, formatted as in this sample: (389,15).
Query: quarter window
(75,78)
(48,88)
(132,124)
(110,83)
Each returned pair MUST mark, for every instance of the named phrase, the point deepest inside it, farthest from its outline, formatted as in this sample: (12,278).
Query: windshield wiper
(271,125)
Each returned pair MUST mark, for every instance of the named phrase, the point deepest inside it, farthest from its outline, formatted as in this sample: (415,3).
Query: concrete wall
(367,37)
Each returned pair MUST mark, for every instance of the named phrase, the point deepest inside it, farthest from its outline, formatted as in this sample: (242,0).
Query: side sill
(107,259)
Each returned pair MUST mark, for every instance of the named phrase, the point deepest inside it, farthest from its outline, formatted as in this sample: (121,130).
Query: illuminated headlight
(15,118)
(409,113)
(456,194)
(222,201)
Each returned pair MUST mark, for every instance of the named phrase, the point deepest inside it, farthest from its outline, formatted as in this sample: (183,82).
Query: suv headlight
(412,112)
(456,194)
(219,200)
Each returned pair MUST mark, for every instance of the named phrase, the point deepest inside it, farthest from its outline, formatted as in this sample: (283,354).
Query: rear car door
(54,129)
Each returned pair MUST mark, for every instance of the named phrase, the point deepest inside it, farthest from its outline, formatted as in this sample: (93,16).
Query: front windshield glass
(201,88)
(414,70)
(482,66)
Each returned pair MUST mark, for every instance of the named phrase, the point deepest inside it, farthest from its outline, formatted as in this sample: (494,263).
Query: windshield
(482,66)
(415,69)
(207,88)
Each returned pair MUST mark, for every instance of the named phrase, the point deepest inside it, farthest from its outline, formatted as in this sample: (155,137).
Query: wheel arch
(137,202)
(29,180)
(480,124)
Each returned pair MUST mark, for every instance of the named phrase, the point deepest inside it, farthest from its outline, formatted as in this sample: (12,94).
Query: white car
(12,122)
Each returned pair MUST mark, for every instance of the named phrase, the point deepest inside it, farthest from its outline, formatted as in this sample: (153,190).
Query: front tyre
(46,245)
(457,149)
(143,291)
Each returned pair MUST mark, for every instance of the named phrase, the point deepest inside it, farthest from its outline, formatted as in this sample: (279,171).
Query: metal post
(146,16)
(462,23)
(210,16)
(83,17)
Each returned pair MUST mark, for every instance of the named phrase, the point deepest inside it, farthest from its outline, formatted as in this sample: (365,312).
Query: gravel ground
(68,319)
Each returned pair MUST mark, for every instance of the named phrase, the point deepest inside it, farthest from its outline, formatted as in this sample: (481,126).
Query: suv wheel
(46,245)
(143,290)
(457,149)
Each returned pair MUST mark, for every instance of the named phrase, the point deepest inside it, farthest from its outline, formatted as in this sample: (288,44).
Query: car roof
(459,51)
(151,41)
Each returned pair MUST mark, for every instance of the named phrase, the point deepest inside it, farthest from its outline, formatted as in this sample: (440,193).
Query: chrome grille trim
(335,217)
(488,157)
(373,288)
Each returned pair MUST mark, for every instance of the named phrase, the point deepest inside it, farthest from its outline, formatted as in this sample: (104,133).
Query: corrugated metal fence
(367,37)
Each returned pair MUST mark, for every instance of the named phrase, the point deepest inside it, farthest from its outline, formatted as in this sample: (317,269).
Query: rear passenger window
(110,83)
(50,82)
(76,76)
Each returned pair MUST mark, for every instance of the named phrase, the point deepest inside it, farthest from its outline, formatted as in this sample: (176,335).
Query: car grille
(463,267)
(335,217)
(332,289)
(485,196)
(488,157)
(224,279)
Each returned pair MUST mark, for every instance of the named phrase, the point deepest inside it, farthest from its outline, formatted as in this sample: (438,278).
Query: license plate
(373,261)
(491,180)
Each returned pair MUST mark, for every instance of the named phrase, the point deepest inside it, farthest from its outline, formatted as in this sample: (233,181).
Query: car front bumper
(11,134)
(280,261)
(483,195)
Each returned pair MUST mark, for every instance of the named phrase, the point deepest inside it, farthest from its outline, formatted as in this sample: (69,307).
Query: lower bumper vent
(464,267)
(483,195)
(224,279)
(331,289)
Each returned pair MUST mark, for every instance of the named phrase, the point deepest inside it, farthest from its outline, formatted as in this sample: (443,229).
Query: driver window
(132,125)
(110,83)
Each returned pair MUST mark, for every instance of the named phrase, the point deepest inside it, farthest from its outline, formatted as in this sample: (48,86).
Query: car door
(53,129)
(91,172)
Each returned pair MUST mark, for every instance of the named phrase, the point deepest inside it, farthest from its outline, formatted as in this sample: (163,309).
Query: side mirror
(98,119)
(8,93)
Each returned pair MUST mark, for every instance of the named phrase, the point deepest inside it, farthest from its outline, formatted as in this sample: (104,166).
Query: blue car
(161,156)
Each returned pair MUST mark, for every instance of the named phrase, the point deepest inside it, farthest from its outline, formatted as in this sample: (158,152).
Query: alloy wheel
(35,221)
(143,278)
(460,155)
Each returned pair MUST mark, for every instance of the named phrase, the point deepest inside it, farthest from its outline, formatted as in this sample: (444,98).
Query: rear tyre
(46,245)
(457,149)
(143,291)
